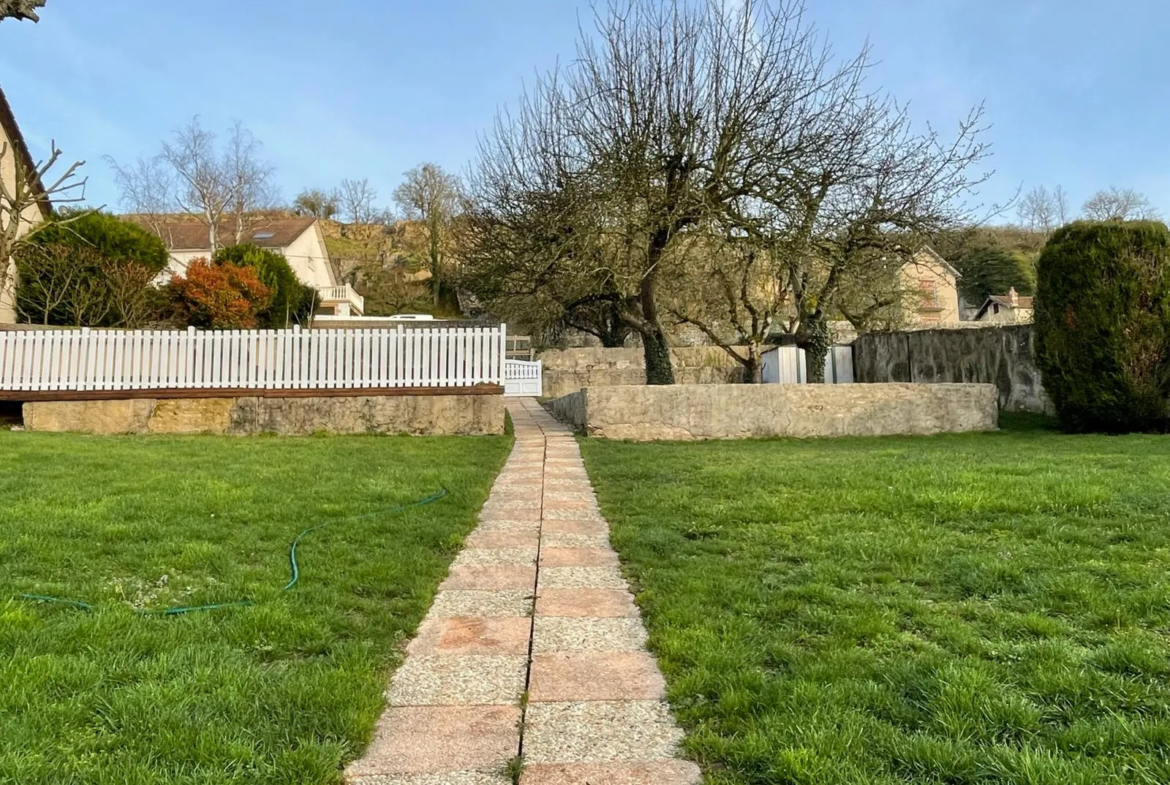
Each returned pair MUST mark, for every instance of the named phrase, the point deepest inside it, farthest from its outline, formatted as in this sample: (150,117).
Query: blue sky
(1076,89)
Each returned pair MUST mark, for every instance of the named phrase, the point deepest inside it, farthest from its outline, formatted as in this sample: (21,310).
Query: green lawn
(283,691)
(984,608)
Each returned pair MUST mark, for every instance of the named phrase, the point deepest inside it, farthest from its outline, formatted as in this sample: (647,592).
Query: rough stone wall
(566,370)
(570,409)
(464,415)
(1002,356)
(692,412)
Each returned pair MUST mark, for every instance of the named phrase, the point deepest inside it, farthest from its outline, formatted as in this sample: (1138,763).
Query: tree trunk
(753,369)
(658,366)
(654,346)
(815,340)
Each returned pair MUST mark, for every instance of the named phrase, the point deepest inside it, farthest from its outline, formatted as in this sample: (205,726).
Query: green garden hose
(293,568)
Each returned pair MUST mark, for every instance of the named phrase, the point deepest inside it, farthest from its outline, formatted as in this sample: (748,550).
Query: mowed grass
(990,608)
(282,691)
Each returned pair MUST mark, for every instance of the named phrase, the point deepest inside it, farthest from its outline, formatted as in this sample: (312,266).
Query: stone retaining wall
(690,412)
(464,415)
(1002,356)
(566,370)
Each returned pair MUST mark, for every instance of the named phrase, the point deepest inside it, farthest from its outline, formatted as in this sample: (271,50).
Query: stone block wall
(566,370)
(1002,356)
(463,415)
(692,412)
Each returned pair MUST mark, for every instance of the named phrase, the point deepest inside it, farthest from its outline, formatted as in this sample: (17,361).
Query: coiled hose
(293,568)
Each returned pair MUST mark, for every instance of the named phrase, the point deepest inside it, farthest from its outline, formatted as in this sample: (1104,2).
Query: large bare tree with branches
(1044,211)
(717,165)
(1119,204)
(192,175)
(28,191)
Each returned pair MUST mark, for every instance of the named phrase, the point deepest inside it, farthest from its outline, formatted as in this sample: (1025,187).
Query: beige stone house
(931,284)
(15,149)
(1010,308)
(299,240)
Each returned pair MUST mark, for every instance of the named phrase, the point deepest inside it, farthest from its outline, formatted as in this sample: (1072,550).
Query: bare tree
(203,188)
(128,292)
(249,178)
(20,9)
(357,199)
(146,187)
(317,203)
(27,202)
(192,175)
(720,166)
(431,197)
(49,275)
(1043,211)
(1119,204)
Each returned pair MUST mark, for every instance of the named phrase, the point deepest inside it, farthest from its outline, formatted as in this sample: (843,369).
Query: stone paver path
(535,602)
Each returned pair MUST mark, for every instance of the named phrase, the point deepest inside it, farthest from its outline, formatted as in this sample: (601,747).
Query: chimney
(1013,298)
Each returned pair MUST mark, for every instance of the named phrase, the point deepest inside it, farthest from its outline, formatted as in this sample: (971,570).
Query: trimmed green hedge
(1103,325)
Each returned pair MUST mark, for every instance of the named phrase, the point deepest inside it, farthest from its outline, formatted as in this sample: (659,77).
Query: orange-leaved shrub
(218,296)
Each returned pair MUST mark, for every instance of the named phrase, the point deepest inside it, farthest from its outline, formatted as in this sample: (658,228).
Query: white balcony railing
(344,294)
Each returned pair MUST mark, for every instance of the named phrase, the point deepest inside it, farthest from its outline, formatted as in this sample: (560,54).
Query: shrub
(112,238)
(221,296)
(1103,325)
(93,270)
(290,301)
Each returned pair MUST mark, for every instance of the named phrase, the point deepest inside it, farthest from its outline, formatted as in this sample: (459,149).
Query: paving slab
(500,603)
(663,772)
(490,577)
(459,680)
(595,676)
(589,603)
(438,739)
(472,635)
(566,634)
(625,731)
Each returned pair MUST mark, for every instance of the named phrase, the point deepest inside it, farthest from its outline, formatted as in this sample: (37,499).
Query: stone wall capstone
(693,412)
(446,415)
(1002,356)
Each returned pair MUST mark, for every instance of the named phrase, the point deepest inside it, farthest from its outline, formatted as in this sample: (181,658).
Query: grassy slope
(987,608)
(281,692)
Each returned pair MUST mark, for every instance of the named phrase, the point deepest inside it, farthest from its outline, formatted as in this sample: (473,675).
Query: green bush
(114,240)
(292,301)
(89,269)
(1103,325)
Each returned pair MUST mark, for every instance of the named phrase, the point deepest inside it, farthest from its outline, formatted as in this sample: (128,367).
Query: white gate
(523,378)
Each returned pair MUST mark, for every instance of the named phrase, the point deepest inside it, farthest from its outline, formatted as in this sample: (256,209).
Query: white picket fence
(85,360)
(523,378)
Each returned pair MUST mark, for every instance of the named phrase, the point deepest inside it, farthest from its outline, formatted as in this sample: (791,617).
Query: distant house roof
(191,235)
(12,131)
(1011,300)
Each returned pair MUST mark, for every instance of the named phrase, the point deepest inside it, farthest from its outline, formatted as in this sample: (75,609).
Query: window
(929,292)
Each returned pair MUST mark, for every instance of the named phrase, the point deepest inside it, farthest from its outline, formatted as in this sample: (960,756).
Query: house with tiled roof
(298,239)
(1010,308)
